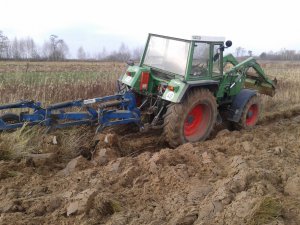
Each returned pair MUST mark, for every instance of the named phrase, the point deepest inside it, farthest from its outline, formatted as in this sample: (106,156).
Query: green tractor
(186,86)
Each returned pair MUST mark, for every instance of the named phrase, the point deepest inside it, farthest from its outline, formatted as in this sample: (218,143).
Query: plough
(110,110)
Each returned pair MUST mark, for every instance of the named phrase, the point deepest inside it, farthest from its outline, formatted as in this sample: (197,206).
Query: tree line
(122,54)
(56,49)
(283,54)
(25,48)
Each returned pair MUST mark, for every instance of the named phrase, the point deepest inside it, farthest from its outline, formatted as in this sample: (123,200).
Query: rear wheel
(192,120)
(250,113)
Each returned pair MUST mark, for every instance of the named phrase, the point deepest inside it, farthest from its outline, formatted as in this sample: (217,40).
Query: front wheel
(192,120)
(251,113)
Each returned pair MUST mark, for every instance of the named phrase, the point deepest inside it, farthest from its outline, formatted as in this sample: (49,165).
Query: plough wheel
(10,118)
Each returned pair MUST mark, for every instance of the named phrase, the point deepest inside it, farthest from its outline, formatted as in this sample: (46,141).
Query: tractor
(183,86)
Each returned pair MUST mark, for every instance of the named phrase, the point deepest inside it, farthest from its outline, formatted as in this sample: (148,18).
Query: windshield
(167,54)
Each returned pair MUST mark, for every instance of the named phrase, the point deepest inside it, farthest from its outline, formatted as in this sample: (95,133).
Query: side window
(216,61)
(200,59)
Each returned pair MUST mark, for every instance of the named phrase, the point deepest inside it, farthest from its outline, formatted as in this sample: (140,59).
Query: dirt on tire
(255,102)
(176,116)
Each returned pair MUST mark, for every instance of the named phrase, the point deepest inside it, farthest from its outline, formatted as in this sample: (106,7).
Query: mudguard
(238,104)
(184,87)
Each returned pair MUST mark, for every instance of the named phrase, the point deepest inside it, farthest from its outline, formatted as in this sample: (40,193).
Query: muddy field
(124,177)
(238,177)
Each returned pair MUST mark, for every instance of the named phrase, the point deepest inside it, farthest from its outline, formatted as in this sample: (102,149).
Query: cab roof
(194,38)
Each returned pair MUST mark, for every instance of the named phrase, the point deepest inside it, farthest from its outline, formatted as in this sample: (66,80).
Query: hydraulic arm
(258,80)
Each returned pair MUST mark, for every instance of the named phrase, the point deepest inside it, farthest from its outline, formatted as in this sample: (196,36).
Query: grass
(8,174)
(17,144)
(27,140)
(55,82)
(267,211)
(287,93)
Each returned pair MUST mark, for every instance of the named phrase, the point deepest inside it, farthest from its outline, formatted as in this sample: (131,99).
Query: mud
(237,177)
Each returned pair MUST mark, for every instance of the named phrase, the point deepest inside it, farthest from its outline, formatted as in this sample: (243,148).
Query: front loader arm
(229,59)
(258,80)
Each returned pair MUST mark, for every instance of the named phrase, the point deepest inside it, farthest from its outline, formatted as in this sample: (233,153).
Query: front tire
(191,120)
(250,113)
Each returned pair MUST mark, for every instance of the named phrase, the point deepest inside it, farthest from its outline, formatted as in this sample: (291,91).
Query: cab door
(217,61)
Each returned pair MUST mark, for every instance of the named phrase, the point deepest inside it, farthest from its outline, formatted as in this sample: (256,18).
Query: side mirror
(130,62)
(228,44)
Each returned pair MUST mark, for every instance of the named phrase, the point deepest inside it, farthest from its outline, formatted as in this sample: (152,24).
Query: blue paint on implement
(102,112)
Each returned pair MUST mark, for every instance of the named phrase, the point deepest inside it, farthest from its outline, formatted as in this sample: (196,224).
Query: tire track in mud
(156,136)
(130,142)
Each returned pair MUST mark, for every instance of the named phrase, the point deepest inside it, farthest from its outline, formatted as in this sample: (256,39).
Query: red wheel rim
(252,115)
(196,121)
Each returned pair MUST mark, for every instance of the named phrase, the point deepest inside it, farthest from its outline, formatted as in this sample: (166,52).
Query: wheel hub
(194,121)
(252,115)
(190,119)
(249,114)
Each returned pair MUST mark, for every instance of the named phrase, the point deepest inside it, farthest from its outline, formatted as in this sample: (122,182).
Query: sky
(255,25)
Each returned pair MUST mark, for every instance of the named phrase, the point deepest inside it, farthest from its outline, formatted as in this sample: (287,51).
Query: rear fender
(175,96)
(184,87)
(132,76)
(238,104)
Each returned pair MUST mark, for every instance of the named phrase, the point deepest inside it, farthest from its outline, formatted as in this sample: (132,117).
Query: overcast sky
(256,25)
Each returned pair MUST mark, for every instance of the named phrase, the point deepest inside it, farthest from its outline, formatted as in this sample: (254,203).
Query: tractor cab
(198,58)
(170,66)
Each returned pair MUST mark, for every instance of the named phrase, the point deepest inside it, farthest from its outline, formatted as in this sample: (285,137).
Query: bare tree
(4,46)
(56,49)
(250,53)
(81,53)
(46,50)
(23,49)
(30,48)
(263,55)
(137,53)
(103,54)
(124,53)
(15,49)
(240,51)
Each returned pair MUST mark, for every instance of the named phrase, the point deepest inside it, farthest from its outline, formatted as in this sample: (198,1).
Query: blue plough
(101,112)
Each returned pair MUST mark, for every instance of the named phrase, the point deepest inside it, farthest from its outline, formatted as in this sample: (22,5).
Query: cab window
(216,68)
(200,59)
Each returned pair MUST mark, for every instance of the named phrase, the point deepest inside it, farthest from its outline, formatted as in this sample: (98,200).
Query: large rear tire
(192,120)
(250,113)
